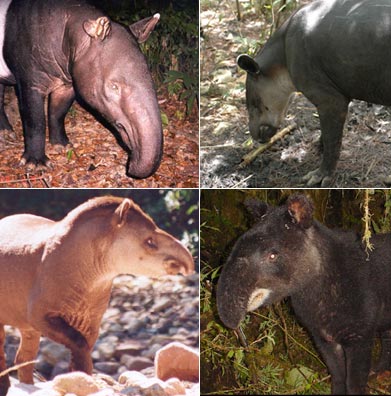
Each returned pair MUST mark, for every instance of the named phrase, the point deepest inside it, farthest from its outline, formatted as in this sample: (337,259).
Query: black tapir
(67,49)
(332,51)
(338,292)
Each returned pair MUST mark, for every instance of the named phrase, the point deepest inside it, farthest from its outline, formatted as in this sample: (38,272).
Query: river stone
(177,360)
(77,382)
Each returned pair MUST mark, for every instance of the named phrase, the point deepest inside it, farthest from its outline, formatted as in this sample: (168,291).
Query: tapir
(332,51)
(56,276)
(67,49)
(339,291)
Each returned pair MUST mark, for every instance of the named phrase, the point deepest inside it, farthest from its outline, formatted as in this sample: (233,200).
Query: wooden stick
(250,157)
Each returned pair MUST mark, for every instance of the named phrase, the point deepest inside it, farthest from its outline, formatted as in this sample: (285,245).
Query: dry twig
(250,157)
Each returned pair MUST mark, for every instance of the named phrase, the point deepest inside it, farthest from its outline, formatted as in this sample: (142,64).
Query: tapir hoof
(35,164)
(316,177)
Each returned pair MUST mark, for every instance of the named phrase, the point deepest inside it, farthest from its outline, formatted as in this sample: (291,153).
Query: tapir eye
(114,87)
(273,256)
(150,243)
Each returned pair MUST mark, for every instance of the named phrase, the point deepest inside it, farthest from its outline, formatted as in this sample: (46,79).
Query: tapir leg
(358,363)
(31,105)
(334,358)
(332,114)
(59,331)
(4,123)
(384,362)
(4,380)
(60,101)
(27,351)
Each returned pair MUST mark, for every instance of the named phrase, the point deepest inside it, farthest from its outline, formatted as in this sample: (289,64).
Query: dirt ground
(365,159)
(95,159)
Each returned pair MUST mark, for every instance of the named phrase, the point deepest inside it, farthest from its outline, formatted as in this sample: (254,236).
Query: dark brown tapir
(67,49)
(332,51)
(56,277)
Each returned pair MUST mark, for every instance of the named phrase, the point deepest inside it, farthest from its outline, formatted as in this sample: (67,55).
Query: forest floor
(95,159)
(365,159)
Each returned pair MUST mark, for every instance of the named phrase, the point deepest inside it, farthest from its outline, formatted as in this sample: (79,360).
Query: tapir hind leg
(4,380)
(27,351)
(4,123)
(60,101)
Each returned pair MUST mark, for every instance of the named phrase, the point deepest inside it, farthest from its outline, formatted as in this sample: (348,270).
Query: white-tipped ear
(121,212)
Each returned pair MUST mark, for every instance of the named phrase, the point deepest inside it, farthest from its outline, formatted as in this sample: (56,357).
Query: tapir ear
(143,28)
(301,210)
(120,213)
(248,64)
(99,28)
(256,208)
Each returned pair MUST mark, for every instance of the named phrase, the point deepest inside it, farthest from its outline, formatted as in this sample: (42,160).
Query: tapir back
(22,242)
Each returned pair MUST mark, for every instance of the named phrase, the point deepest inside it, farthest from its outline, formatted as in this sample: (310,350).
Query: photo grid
(195,197)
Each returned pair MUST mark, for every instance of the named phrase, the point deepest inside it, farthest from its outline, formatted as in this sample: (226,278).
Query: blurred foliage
(172,49)
(175,211)
(280,357)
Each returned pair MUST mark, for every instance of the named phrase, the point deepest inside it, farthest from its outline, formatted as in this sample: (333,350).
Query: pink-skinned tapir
(66,50)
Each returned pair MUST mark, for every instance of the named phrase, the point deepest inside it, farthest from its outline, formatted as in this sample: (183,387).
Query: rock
(130,347)
(107,367)
(107,347)
(53,353)
(78,383)
(60,368)
(136,363)
(177,360)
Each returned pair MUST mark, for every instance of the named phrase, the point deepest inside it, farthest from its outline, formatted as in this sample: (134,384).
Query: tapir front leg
(60,101)
(332,114)
(31,105)
(27,352)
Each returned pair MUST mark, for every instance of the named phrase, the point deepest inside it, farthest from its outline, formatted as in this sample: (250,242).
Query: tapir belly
(5,73)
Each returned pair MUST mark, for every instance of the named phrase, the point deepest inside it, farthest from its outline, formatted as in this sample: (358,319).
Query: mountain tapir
(332,51)
(56,277)
(339,292)
(67,49)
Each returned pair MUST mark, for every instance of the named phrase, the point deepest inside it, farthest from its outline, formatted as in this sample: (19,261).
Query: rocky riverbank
(143,317)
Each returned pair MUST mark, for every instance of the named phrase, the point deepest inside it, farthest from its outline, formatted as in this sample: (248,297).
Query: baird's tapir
(339,292)
(67,49)
(332,51)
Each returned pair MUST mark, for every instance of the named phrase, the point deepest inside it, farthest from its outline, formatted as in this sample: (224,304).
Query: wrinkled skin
(338,292)
(316,52)
(56,277)
(77,52)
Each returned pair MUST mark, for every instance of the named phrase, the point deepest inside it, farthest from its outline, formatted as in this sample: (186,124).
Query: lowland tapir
(341,294)
(67,49)
(56,277)
(332,51)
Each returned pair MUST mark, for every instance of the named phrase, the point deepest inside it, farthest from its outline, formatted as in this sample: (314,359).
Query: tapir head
(267,97)
(273,260)
(139,247)
(111,75)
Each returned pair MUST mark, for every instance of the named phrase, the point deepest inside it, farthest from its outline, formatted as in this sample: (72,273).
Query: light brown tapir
(56,277)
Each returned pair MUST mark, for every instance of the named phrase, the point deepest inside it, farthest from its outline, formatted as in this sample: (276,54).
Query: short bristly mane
(99,206)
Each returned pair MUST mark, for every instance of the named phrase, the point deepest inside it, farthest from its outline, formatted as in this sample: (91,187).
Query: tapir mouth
(266,132)
(257,298)
(174,267)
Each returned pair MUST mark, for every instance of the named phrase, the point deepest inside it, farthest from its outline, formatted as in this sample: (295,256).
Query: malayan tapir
(332,51)
(56,276)
(339,292)
(67,49)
